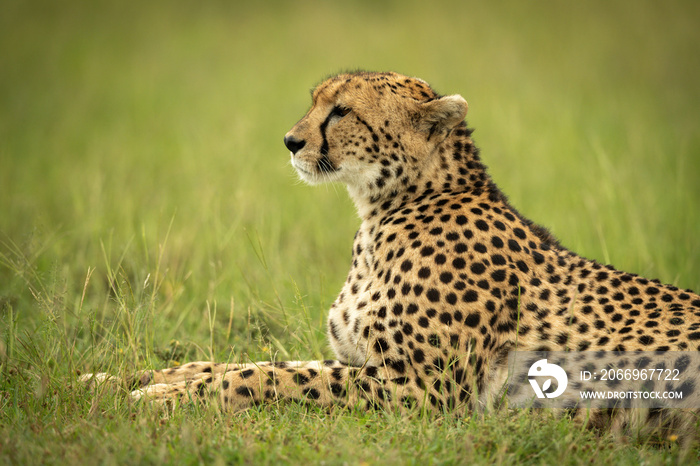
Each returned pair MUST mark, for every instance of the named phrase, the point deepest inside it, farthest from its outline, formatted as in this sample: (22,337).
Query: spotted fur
(445,275)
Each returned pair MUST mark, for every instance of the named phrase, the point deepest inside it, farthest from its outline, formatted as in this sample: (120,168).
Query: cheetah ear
(441,115)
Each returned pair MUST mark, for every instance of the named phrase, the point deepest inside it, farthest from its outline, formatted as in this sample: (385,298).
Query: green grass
(148,212)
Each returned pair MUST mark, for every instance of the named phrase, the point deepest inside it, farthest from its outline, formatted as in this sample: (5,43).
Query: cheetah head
(371,131)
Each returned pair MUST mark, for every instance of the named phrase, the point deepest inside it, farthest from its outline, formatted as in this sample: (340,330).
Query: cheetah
(446,277)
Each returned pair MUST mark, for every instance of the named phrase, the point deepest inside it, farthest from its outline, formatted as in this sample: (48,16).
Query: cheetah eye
(339,111)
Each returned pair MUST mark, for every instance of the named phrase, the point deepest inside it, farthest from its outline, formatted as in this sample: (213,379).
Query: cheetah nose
(294,144)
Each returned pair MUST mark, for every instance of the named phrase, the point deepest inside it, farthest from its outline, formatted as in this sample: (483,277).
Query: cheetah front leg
(187,372)
(321,382)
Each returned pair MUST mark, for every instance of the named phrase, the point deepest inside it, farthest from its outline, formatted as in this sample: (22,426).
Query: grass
(149,216)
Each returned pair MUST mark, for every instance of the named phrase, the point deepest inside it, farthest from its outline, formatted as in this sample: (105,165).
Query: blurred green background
(144,187)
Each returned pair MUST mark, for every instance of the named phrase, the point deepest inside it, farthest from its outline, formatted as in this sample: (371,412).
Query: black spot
(562,338)
(300,379)
(337,390)
(522,266)
(337,373)
(439,364)
(381,345)
(311,393)
(433,295)
(245,391)
(498,275)
(483,284)
(470,296)
(418,356)
(498,259)
(400,380)
(247,373)
(434,340)
(646,340)
(472,320)
(482,225)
